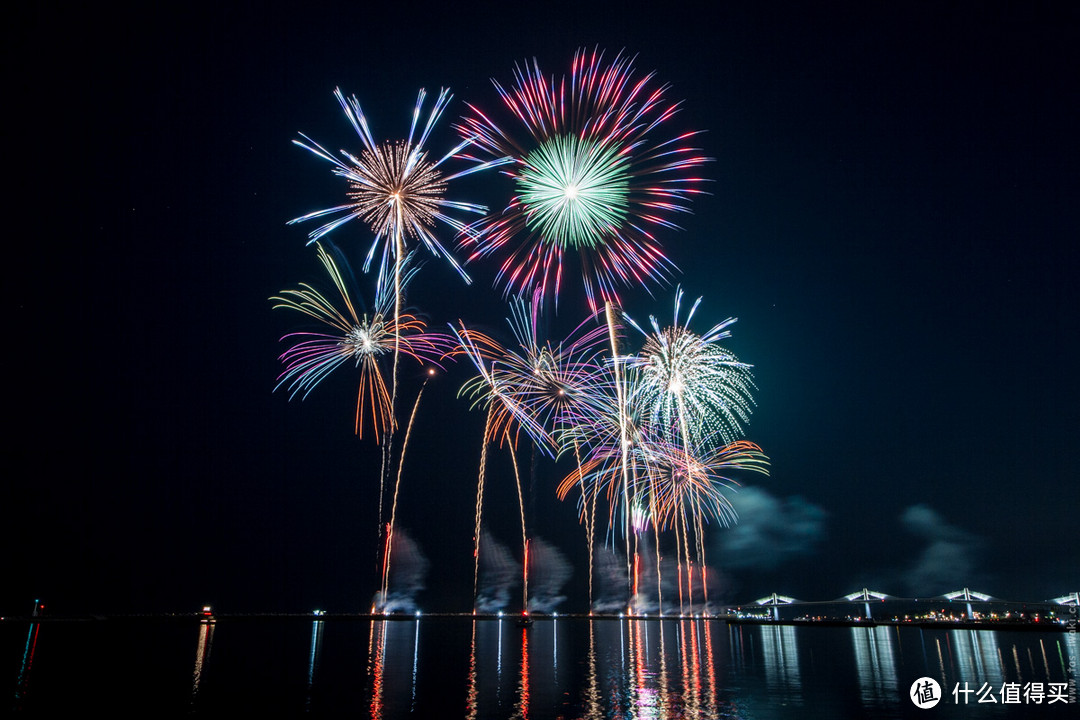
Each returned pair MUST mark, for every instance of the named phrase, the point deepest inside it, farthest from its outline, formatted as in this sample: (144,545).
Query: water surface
(558,668)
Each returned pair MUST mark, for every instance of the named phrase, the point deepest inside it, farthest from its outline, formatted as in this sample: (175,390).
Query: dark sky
(892,217)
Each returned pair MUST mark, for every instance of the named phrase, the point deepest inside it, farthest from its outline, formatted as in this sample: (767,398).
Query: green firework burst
(574,191)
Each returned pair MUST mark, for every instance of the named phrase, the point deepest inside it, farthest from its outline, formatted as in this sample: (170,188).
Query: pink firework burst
(596,172)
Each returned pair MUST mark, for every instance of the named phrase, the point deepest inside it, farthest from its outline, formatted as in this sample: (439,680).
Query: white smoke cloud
(548,572)
(500,574)
(610,585)
(408,570)
(770,531)
(948,560)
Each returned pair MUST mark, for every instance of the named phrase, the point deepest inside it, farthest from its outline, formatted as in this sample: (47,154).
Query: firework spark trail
(399,253)
(681,493)
(524,538)
(397,486)
(480,502)
(384,464)
(699,533)
(656,541)
(588,518)
(689,563)
(544,389)
(679,568)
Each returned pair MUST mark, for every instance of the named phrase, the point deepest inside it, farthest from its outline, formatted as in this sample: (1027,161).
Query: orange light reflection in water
(377,666)
(638,680)
(710,667)
(684,660)
(694,680)
(668,670)
(662,682)
(521,708)
(593,708)
(202,654)
(649,692)
(471,696)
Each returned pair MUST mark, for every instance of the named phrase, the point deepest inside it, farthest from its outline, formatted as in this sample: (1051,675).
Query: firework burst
(360,338)
(687,386)
(692,486)
(548,389)
(393,186)
(595,173)
(686,490)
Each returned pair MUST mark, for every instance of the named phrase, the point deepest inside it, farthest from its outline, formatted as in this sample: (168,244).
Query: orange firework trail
(524,539)
(397,486)
(480,503)
(543,388)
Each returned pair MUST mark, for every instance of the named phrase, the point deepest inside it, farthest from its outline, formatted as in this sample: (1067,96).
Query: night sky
(892,216)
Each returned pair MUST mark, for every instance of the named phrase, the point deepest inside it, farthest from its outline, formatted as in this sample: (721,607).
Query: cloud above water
(947,562)
(771,531)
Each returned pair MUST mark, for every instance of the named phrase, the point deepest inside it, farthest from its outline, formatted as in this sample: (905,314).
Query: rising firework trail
(546,389)
(397,486)
(480,504)
(364,339)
